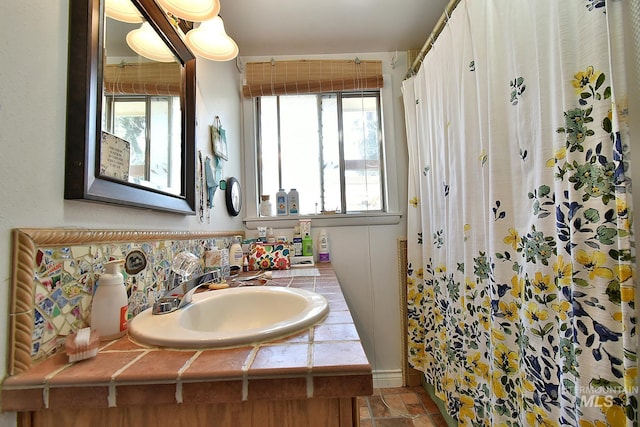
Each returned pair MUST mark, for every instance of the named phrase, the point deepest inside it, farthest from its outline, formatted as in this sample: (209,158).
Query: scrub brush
(82,345)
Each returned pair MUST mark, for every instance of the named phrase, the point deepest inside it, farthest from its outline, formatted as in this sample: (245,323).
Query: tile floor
(399,407)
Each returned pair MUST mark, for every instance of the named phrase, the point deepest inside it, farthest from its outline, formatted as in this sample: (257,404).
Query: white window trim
(393,215)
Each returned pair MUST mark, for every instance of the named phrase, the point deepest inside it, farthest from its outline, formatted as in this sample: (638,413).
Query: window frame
(110,100)
(391,132)
(340,96)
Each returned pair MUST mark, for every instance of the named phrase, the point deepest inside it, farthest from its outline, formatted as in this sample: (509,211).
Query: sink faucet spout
(181,295)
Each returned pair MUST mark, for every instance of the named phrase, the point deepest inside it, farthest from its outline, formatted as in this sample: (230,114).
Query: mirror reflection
(141,108)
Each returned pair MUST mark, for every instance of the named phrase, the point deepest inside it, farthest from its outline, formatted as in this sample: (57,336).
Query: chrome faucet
(182,294)
(178,290)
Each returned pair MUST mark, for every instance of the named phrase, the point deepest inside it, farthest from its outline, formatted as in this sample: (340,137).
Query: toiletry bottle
(265,205)
(292,199)
(282,208)
(307,245)
(235,253)
(323,247)
(271,237)
(297,241)
(110,303)
(262,234)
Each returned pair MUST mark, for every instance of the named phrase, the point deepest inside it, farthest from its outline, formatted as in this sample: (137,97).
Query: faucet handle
(184,264)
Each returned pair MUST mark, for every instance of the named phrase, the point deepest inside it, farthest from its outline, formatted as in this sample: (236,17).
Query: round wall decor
(233,196)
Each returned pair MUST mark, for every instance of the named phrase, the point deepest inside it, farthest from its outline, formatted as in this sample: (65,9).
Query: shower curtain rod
(432,38)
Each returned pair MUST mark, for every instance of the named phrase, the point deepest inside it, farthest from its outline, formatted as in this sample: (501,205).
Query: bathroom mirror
(104,161)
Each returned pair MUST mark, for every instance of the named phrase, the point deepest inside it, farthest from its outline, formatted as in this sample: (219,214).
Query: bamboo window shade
(310,76)
(143,78)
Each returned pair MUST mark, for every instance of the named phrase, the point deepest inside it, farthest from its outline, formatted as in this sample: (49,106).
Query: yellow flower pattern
(584,79)
(562,271)
(519,332)
(512,239)
(594,263)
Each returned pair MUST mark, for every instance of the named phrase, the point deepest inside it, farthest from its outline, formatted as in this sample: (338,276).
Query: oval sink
(231,317)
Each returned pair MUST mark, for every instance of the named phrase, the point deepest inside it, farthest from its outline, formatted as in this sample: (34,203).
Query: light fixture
(191,10)
(210,41)
(122,10)
(146,42)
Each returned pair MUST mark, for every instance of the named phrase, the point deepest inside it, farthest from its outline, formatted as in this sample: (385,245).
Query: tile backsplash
(64,279)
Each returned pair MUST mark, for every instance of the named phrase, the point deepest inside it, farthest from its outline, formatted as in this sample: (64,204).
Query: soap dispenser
(110,303)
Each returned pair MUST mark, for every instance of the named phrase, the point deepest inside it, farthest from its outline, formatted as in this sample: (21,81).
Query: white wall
(33,54)
(365,256)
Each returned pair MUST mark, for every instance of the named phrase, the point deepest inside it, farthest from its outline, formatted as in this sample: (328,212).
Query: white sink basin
(231,317)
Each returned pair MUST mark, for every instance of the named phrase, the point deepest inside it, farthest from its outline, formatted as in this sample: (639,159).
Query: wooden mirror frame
(84,113)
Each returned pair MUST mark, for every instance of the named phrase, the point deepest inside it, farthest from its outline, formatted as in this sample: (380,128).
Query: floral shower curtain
(521,264)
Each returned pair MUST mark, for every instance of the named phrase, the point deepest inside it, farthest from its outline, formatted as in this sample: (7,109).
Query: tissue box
(270,256)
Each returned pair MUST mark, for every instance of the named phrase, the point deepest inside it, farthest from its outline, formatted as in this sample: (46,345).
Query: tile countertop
(324,361)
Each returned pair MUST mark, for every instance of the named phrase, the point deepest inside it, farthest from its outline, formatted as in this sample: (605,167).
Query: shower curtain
(521,261)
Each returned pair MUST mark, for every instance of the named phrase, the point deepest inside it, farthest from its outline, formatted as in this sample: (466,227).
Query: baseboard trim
(387,379)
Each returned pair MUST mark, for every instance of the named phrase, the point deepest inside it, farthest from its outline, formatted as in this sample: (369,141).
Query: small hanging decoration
(209,181)
(212,182)
(204,213)
(219,139)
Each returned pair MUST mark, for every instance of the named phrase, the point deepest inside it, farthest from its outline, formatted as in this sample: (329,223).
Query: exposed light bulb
(210,41)
(146,42)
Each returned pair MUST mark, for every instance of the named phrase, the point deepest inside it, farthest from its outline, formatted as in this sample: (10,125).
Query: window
(328,146)
(152,126)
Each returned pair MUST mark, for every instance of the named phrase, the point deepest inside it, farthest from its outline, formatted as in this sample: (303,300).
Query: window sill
(333,220)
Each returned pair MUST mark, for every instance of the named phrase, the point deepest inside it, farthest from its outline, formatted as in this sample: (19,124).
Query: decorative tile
(277,388)
(65,278)
(342,385)
(159,394)
(278,359)
(28,399)
(212,392)
(98,370)
(333,357)
(343,316)
(162,366)
(223,363)
(336,332)
(79,397)
(133,373)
